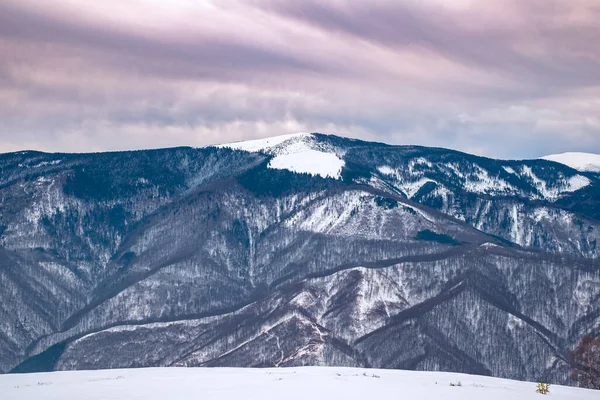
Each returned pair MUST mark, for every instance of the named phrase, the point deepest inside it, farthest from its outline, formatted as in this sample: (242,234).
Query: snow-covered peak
(580,161)
(266,144)
(297,152)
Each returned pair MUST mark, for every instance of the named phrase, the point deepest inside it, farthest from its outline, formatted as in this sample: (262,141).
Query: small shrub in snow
(543,388)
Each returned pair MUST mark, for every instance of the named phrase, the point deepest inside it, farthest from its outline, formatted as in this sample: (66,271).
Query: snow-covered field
(312,383)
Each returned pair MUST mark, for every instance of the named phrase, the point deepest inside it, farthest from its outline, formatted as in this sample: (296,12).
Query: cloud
(545,41)
(506,79)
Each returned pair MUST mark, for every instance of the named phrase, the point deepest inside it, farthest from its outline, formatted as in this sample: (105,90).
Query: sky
(499,78)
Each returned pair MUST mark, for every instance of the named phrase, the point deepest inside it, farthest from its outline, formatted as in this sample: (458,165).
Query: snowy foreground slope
(273,383)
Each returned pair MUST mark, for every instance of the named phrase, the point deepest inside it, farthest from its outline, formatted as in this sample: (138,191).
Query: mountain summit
(298,152)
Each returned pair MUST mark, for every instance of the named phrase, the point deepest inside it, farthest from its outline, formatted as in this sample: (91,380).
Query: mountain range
(304,249)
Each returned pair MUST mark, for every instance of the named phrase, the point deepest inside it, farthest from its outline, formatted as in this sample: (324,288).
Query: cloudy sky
(502,78)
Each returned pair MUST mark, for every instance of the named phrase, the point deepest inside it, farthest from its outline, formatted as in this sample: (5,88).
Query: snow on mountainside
(414,258)
(297,152)
(309,153)
(266,143)
(290,383)
(580,161)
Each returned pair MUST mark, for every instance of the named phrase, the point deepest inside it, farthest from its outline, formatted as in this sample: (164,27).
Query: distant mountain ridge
(580,161)
(307,249)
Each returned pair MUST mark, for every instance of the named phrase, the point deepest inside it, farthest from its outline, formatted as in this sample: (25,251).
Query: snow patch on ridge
(408,187)
(386,170)
(576,182)
(509,170)
(573,184)
(310,161)
(481,182)
(297,152)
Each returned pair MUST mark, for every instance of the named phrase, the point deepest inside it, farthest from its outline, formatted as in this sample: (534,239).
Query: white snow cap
(297,152)
(266,143)
(580,161)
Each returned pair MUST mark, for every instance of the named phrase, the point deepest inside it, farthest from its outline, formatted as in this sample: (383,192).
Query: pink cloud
(403,72)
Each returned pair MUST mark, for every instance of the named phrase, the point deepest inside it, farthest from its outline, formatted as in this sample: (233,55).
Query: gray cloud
(194,56)
(506,79)
(571,55)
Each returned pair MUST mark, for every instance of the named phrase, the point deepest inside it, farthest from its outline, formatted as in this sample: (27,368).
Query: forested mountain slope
(306,249)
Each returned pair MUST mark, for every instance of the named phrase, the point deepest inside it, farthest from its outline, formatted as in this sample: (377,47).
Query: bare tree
(585,363)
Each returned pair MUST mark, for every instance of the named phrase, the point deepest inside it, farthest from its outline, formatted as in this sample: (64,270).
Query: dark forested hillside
(407,257)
